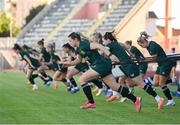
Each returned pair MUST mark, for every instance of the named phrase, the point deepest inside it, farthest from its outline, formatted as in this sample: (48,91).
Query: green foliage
(6,24)
(34,12)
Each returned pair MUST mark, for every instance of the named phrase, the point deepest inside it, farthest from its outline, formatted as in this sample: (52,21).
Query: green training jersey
(45,54)
(155,49)
(116,49)
(34,62)
(92,56)
(138,55)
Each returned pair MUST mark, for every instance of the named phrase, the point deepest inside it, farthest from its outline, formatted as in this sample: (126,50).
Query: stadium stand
(53,17)
(116,16)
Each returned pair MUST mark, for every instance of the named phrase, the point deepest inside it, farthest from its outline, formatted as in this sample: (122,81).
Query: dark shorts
(36,64)
(82,67)
(164,69)
(174,64)
(130,70)
(57,67)
(143,68)
(103,68)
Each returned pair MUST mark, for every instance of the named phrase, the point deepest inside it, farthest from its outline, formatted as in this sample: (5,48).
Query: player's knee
(82,80)
(69,75)
(161,84)
(156,84)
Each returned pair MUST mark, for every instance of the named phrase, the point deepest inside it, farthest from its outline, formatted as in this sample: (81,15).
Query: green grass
(19,104)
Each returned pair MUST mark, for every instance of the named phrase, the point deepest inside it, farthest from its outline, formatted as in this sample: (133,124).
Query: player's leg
(42,74)
(123,90)
(164,74)
(72,72)
(148,89)
(31,79)
(166,91)
(84,82)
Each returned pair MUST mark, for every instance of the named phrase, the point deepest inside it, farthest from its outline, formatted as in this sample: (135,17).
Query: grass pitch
(19,104)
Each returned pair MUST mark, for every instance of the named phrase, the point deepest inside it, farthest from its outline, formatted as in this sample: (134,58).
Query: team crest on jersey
(82,52)
(132,75)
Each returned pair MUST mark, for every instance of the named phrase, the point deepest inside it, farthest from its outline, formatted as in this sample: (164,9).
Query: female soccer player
(33,64)
(97,37)
(164,67)
(139,56)
(26,67)
(129,68)
(44,55)
(60,72)
(100,67)
(79,68)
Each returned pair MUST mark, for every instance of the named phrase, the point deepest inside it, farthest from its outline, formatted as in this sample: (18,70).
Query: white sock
(173,79)
(170,100)
(34,85)
(157,98)
(115,93)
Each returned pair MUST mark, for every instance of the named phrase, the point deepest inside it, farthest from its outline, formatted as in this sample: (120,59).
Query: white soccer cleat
(123,99)
(100,91)
(170,103)
(34,87)
(48,83)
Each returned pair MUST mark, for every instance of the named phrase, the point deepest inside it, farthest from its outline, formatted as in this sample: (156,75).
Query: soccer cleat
(69,88)
(161,103)
(170,103)
(56,85)
(112,98)
(123,99)
(48,83)
(34,87)
(74,90)
(138,104)
(99,92)
(88,105)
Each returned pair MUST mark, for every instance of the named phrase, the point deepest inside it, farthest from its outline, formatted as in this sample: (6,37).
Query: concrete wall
(134,22)
(23,8)
(89,11)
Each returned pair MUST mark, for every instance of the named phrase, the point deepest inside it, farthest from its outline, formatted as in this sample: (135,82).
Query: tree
(5,24)
(34,12)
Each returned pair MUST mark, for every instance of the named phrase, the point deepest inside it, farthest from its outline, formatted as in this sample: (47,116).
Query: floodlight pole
(166,25)
(168,28)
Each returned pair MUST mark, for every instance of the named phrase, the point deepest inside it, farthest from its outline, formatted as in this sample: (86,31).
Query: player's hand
(132,56)
(114,58)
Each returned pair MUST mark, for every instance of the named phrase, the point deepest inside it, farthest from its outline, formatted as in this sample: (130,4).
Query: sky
(159,8)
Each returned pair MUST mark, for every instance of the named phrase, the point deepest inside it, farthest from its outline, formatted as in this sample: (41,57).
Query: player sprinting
(164,67)
(130,69)
(78,69)
(100,66)
(33,65)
